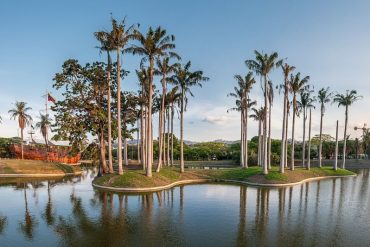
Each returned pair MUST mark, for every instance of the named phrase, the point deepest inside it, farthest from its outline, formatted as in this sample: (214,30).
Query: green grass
(138,179)
(14,166)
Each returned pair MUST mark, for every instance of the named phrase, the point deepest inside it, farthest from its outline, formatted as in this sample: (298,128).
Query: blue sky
(328,40)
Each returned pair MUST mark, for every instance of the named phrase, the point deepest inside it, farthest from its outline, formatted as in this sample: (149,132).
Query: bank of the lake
(35,168)
(136,181)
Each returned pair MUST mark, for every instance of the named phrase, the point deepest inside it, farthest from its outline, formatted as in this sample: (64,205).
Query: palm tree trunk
(286,137)
(309,142)
(149,121)
(137,140)
(168,136)
(259,143)
(264,160)
(172,114)
(304,138)
(110,158)
(102,152)
(241,139)
(125,140)
(119,151)
(293,125)
(282,153)
(164,138)
(182,166)
(320,145)
(345,139)
(246,137)
(143,138)
(269,141)
(160,140)
(336,149)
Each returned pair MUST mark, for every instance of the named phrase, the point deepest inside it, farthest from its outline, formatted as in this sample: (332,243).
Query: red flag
(50,98)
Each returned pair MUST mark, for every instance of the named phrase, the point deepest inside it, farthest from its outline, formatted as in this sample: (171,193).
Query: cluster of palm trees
(21,113)
(293,86)
(158,58)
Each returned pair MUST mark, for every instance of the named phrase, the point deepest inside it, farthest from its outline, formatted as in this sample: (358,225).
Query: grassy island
(15,167)
(252,175)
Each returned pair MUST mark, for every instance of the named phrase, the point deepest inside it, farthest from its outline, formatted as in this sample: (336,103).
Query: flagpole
(46,112)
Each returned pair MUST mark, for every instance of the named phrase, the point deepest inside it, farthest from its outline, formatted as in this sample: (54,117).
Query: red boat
(55,153)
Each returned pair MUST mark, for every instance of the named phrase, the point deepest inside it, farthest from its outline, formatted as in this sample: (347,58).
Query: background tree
(20,111)
(258,115)
(346,100)
(184,78)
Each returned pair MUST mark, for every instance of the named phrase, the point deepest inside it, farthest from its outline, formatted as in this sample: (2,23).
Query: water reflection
(68,212)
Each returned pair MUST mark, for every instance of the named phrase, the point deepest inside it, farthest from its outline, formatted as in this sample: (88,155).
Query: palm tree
(262,66)
(258,115)
(287,70)
(296,86)
(243,104)
(164,69)
(324,96)
(270,95)
(346,100)
(105,39)
(173,97)
(155,44)
(184,79)
(44,125)
(305,103)
(119,38)
(24,119)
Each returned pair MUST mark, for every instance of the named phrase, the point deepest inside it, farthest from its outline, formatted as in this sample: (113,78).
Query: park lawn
(14,166)
(168,175)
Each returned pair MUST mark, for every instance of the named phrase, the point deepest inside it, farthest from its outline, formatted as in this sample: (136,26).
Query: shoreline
(211,180)
(39,175)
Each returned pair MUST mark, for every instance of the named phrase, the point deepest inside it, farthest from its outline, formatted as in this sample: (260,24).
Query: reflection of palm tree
(49,214)
(3,223)
(27,227)
(242,237)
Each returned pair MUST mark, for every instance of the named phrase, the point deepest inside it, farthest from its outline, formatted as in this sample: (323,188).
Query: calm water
(69,212)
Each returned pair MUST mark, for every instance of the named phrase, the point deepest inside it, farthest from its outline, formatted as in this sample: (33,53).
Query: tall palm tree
(346,100)
(262,66)
(243,104)
(120,35)
(105,38)
(296,86)
(324,96)
(305,103)
(287,70)
(184,78)
(258,115)
(270,95)
(164,68)
(155,44)
(44,125)
(24,119)
(173,98)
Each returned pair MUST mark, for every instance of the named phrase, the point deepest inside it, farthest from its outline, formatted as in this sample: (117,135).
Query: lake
(69,212)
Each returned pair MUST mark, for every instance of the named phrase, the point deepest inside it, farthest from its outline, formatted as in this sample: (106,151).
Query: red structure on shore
(36,152)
